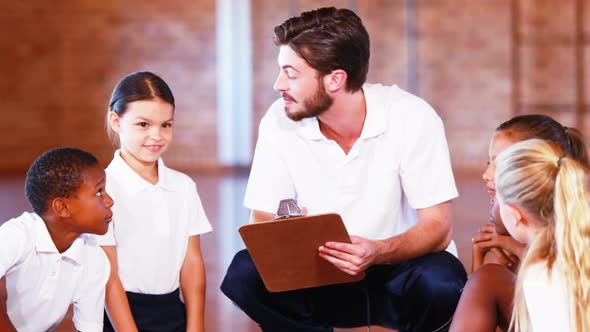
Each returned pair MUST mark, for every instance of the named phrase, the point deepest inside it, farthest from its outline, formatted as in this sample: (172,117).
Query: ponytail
(572,237)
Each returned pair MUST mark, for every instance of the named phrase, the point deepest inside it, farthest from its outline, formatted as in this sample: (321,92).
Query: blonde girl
(544,202)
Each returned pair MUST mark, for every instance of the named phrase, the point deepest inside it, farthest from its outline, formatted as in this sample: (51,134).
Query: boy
(47,260)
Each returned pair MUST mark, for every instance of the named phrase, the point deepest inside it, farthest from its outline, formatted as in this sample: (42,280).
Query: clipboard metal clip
(288,208)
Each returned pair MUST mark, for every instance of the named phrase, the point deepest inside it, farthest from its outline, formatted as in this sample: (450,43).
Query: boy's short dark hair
(329,39)
(56,173)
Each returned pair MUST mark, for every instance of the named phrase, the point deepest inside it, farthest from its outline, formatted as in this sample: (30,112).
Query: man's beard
(313,106)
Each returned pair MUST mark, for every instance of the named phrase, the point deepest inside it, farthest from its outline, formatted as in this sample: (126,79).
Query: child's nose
(156,133)
(486,175)
(110,201)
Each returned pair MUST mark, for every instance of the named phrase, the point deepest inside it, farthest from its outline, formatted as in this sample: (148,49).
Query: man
(374,154)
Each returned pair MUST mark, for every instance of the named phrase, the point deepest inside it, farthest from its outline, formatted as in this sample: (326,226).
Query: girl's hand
(488,238)
(499,256)
(477,257)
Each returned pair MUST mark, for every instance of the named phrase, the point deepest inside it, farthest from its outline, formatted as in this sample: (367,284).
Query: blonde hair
(538,176)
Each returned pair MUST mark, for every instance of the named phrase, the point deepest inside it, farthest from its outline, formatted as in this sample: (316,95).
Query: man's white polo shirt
(151,225)
(41,283)
(400,163)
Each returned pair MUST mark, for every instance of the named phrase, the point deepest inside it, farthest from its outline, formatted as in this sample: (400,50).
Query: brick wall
(60,61)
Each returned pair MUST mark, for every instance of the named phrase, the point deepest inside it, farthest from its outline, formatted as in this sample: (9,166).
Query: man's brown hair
(329,39)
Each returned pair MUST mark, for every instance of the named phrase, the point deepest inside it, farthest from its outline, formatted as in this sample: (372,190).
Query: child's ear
(114,121)
(516,213)
(335,80)
(60,207)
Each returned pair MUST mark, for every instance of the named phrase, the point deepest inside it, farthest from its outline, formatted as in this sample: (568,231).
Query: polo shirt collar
(375,120)
(134,182)
(309,128)
(44,243)
(377,110)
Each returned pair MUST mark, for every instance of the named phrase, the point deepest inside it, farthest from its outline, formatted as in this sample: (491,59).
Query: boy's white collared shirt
(41,283)
(151,225)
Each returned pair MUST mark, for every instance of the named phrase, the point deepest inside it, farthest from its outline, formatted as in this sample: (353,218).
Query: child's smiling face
(145,130)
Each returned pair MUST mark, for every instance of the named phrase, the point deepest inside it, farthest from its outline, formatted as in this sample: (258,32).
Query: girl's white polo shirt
(41,283)
(546,298)
(151,225)
(399,163)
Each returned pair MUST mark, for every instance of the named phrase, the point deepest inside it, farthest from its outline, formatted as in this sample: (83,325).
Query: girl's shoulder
(175,178)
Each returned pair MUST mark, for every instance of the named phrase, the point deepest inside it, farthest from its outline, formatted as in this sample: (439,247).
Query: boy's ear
(60,207)
(335,80)
(113,120)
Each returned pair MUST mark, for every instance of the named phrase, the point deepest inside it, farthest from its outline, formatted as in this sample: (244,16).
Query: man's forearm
(424,238)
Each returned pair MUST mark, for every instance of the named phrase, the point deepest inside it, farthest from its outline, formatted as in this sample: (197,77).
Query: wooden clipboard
(285,251)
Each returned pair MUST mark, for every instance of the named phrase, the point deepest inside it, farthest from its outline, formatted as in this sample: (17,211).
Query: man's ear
(114,121)
(60,207)
(335,80)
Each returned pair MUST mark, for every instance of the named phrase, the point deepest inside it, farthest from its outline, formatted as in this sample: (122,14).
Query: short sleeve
(199,223)
(425,169)
(269,179)
(15,245)
(90,301)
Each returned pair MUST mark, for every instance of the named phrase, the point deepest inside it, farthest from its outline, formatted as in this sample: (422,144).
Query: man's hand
(354,257)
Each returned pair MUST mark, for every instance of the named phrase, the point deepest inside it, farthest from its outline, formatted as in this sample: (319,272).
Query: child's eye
(143,124)
(167,125)
(100,192)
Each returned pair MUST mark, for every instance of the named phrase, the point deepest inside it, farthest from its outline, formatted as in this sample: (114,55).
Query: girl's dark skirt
(155,313)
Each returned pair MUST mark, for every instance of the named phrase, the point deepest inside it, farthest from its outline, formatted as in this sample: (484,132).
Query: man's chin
(295,116)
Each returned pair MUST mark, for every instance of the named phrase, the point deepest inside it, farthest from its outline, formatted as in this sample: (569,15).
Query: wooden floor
(222,198)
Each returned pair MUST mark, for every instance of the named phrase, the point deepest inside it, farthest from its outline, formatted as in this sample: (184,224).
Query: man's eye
(99,193)
(167,125)
(143,124)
